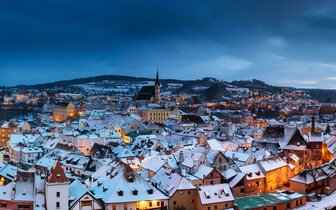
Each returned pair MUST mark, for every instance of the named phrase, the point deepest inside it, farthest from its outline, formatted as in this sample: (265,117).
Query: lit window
(86,203)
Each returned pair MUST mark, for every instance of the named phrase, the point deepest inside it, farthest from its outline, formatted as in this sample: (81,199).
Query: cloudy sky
(285,42)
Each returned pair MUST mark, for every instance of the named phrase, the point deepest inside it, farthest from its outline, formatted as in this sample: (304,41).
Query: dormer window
(58,175)
(150,191)
(120,193)
(134,192)
(207,194)
(130,178)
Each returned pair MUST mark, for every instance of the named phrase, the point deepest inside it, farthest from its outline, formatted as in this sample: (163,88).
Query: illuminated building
(63,111)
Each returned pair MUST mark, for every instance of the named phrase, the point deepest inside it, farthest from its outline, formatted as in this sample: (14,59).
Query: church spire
(157,88)
(157,81)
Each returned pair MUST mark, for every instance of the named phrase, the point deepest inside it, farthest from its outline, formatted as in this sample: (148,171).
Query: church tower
(57,188)
(157,88)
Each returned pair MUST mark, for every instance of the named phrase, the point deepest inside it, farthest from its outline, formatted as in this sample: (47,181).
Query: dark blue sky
(283,42)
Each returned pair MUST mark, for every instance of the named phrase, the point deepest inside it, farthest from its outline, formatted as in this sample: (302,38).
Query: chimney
(313,124)
(181,157)
(183,172)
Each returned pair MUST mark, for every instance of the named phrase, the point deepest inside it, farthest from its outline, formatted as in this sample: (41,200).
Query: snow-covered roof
(23,138)
(237,156)
(252,171)
(215,194)
(76,191)
(215,145)
(118,183)
(153,163)
(169,181)
(203,171)
(236,179)
(272,164)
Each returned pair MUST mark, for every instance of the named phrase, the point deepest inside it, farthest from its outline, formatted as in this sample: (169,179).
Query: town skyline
(165,79)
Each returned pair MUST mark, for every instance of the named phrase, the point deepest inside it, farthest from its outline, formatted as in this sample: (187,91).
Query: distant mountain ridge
(215,86)
(64,83)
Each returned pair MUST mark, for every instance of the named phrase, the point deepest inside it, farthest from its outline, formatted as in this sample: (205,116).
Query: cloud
(327,65)
(235,39)
(225,62)
(278,41)
(299,82)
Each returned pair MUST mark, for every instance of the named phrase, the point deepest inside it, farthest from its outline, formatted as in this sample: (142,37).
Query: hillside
(65,83)
(209,89)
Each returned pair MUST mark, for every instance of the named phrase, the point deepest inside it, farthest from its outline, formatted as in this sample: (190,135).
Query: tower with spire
(157,88)
(149,94)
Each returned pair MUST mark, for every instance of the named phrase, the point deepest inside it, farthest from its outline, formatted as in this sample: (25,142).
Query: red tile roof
(56,174)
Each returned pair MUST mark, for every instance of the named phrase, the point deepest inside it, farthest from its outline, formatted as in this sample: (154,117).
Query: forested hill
(213,87)
(65,83)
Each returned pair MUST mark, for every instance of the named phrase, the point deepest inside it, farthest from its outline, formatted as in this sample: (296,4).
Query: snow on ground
(327,201)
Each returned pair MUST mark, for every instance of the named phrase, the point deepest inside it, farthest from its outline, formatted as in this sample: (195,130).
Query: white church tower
(57,189)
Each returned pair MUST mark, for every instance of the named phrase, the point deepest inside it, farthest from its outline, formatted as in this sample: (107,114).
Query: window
(58,205)
(274,208)
(58,194)
(150,204)
(192,201)
(86,203)
(3,204)
(215,206)
(174,202)
(209,207)
(226,205)
(188,192)
(220,160)
(158,203)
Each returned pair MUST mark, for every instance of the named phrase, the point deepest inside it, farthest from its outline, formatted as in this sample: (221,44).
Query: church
(149,94)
